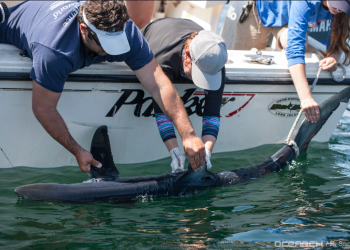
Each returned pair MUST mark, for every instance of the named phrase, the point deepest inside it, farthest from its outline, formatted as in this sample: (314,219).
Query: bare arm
(140,12)
(330,63)
(163,92)
(44,107)
(171,144)
(209,142)
(297,71)
(309,106)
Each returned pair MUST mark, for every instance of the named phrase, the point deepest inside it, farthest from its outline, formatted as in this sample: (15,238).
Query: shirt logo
(315,24)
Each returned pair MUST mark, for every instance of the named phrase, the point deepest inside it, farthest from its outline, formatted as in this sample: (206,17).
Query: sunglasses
(95,39)
(89,30)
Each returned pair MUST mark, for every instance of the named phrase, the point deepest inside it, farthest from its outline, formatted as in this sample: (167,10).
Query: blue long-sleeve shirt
(299,15)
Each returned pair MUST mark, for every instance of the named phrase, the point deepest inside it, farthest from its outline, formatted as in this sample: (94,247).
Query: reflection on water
(308,202)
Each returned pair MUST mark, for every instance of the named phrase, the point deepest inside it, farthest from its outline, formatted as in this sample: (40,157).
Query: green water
(309,201)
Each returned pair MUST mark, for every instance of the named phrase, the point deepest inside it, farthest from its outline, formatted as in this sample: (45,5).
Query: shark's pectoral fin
(101,151)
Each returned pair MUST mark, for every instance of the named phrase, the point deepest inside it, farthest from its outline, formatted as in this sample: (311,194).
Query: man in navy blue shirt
(62,37)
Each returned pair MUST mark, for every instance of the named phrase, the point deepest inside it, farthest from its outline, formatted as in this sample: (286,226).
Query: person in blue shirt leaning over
(62,37)
(289,22)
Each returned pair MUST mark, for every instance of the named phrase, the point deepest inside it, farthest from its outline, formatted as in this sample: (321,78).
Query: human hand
(178,162)
(329,63)
(207,158)
(311,110)
(85,160)
(194,149)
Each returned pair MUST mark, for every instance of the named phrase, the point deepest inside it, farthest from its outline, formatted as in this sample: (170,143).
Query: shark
(106,185)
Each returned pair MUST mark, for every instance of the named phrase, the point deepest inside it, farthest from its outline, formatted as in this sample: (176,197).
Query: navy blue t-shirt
(49,33)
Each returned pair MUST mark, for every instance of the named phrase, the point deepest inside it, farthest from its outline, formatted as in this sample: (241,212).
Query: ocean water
(306,205)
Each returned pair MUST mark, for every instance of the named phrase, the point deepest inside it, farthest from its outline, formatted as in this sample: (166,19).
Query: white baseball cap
(114,43)
(209,55)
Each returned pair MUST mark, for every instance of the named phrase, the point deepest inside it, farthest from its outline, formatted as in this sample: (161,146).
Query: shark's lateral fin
(101,151)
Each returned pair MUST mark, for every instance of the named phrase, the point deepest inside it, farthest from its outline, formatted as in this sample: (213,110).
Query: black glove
(245,11)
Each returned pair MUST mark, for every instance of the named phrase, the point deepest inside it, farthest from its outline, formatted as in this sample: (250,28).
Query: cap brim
(205,81)
(341,5)
(114,44)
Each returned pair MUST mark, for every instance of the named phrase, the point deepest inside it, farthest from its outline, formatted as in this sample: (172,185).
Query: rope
(291,142)
(321,56)
(11,165)
(344,73)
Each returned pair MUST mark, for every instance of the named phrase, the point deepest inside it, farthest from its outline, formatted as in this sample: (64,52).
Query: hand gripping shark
(105,185)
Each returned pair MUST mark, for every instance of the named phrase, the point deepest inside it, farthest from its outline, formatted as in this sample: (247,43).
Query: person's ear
(187,53)
(83,29)
(188,59)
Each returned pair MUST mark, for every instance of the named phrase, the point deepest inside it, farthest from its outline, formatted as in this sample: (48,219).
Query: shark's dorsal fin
(101,151)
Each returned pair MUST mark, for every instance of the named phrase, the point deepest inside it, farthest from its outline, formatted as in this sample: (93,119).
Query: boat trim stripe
(13,76)
(237,93)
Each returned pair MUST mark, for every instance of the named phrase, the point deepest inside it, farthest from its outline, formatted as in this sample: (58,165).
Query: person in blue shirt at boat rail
(62,37)
(289,22)
(185,51)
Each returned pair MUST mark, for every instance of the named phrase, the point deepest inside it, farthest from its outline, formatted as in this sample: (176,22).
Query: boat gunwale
(14,76)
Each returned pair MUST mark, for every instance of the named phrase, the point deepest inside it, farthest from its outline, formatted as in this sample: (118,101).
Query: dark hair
(105,15)
(340,33)
(188,40)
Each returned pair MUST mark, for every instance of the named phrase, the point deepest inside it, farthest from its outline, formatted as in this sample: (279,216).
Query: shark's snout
(25,192)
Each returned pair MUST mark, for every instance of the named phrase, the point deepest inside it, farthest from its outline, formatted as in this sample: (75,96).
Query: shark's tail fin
(101,151)
(308,130)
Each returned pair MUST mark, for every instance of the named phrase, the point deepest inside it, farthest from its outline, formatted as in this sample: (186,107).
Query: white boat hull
(260,106)
(136,139)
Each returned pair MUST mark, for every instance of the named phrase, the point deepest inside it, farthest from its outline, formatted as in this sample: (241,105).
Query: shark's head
(190,180)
